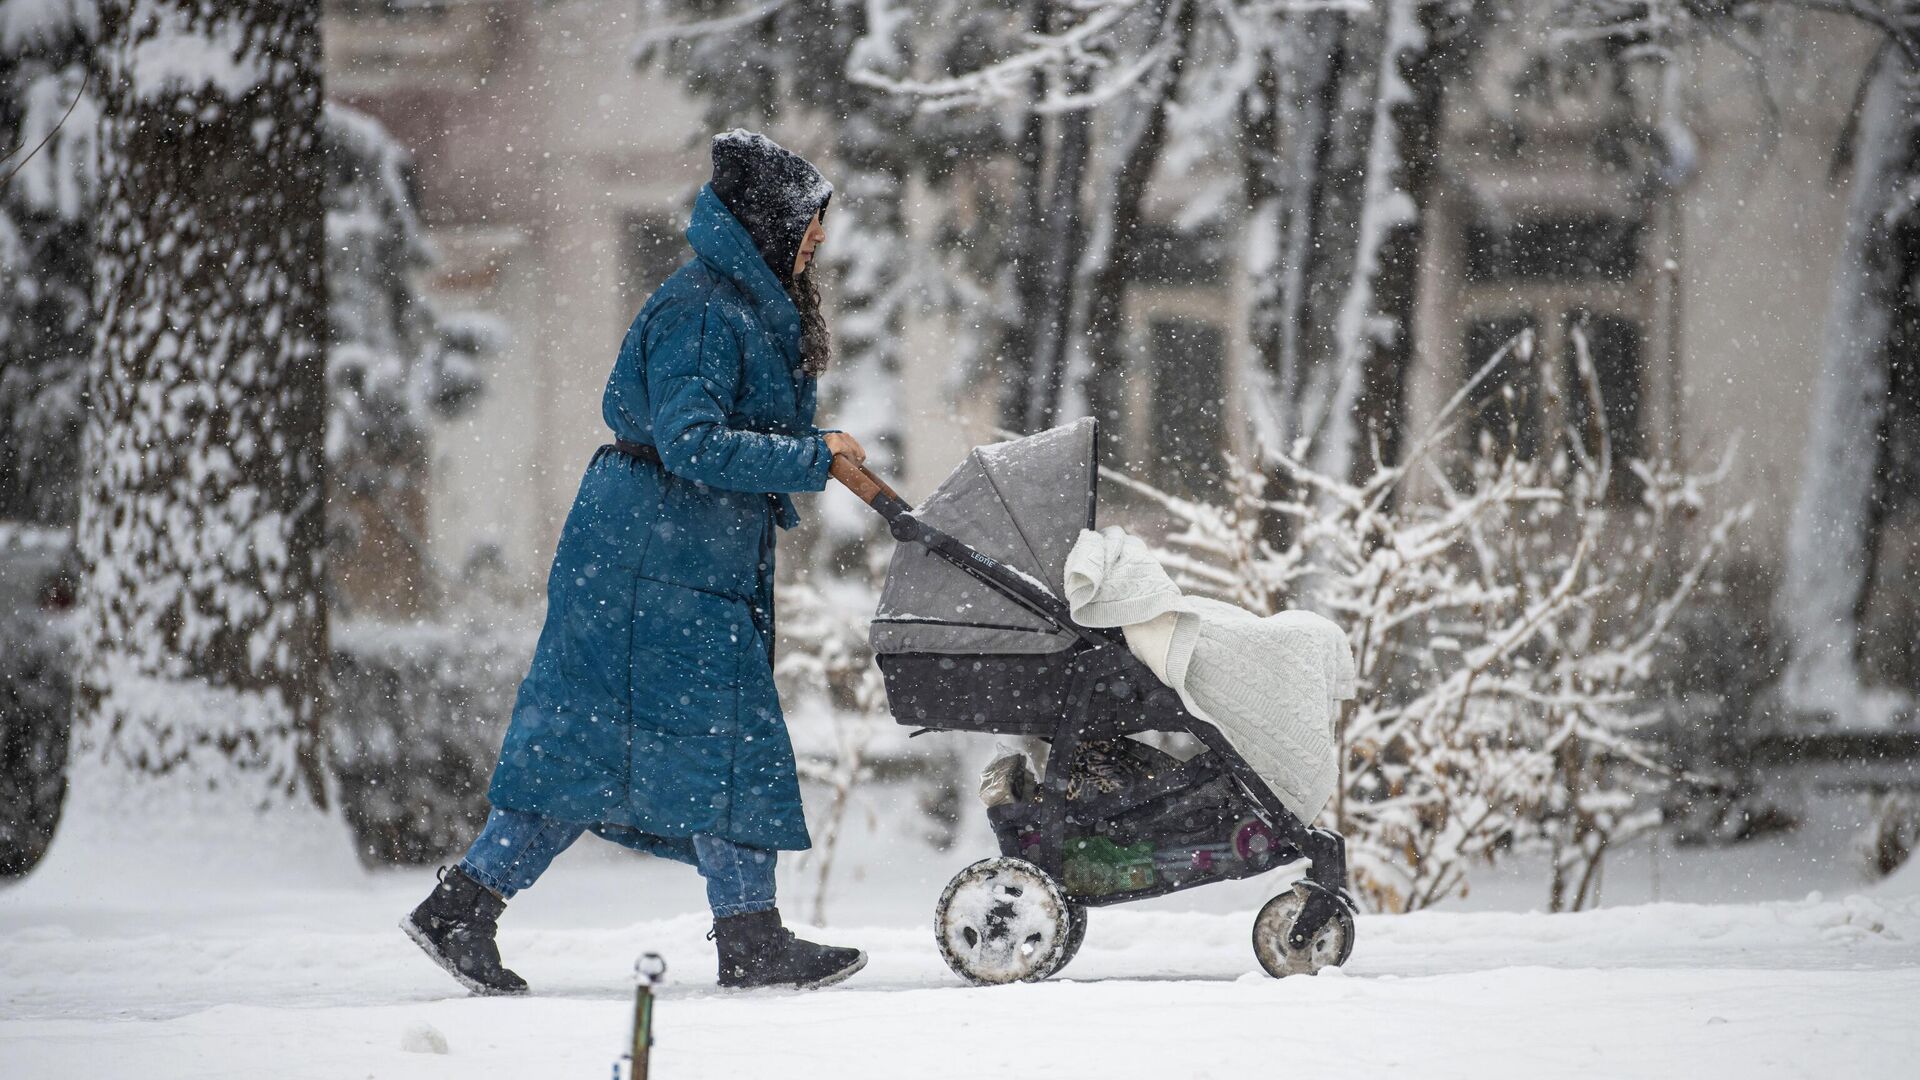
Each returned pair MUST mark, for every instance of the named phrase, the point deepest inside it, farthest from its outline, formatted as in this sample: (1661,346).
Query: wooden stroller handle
(861,481)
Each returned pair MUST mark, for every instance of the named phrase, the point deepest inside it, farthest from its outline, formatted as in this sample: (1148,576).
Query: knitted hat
(773,191)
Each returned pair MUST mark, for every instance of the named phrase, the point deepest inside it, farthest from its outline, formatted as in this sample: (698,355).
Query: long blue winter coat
(649,710)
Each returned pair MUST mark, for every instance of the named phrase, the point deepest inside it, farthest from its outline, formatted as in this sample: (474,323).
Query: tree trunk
(1060,239)
(1830,540)
(204,639)
(1018,337)
(869,247)
(1356,113)
(1114,253)
(1412,112)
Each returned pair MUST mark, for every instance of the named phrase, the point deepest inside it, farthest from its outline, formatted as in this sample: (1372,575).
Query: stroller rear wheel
(1330,947)
(1005,920)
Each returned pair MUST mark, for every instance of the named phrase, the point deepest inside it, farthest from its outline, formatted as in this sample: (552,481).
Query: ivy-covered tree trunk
(202,505)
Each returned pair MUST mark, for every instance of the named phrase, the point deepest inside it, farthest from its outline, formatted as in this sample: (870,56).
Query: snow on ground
(207,971)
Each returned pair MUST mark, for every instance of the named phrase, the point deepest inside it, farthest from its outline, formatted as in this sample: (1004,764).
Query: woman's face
(815,236)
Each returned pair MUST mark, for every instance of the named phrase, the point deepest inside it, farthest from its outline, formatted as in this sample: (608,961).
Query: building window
(1568,274)
(391,9)
(1504,408)
(1164,256)
(651,249)
(1613,344)
(1558,247)
(1187,359)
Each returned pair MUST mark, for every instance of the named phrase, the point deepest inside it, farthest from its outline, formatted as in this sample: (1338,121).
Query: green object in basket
(1096,866)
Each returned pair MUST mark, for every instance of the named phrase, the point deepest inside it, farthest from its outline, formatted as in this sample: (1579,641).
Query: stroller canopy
(1022,502)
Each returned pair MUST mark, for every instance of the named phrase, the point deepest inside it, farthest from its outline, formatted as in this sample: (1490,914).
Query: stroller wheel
(1004,920)
(1076,934)
(1271,928)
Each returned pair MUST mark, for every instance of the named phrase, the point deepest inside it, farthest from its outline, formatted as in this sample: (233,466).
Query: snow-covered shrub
(36,698)
(1891,834)
(395,362)
(36,690)
(1508,622)
(418,711)
(47,127)
(1720,673)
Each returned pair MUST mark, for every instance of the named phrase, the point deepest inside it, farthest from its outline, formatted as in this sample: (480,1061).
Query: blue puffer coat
(649,710)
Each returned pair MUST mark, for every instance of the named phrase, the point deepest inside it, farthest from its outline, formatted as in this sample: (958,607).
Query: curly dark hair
(816,343)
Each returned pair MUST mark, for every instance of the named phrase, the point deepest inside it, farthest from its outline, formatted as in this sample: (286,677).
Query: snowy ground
(231,973)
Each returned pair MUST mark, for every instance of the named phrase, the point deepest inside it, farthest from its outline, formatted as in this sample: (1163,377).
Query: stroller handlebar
(870,489)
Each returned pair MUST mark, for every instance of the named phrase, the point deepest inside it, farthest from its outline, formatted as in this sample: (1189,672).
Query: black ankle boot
(455,926)
(756,950)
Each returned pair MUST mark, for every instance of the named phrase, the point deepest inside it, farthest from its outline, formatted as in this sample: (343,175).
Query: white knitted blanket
(1270,684)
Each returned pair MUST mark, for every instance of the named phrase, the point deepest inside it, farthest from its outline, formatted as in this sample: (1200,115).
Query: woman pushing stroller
(649,715)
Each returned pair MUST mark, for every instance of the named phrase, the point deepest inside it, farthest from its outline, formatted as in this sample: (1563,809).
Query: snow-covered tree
(204,637)
(1508,632)
(1834,534)
(1047,217)
(47,123)
(1346,116)
(1873,318)
(1330,113)
(395,362)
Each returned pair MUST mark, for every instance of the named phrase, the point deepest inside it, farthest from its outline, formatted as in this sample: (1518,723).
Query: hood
(770,190)
(722,243)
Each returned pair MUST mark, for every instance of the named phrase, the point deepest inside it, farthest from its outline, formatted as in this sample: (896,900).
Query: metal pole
(648,972)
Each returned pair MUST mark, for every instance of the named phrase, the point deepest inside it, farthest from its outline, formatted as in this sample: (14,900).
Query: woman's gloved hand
(845,445)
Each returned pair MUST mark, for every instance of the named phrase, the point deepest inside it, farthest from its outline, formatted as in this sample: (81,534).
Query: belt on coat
(644,451)
(647,453)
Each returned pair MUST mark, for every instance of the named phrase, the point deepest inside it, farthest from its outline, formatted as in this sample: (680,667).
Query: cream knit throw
(1270,685)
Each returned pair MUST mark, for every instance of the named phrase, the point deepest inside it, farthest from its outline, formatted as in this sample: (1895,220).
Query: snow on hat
(773,191)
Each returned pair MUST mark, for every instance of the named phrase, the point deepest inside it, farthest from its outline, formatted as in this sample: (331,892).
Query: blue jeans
(515,848)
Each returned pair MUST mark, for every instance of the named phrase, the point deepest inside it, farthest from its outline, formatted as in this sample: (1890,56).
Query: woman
(649,715)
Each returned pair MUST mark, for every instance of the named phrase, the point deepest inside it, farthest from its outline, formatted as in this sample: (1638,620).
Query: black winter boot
(756,950)
(455,926)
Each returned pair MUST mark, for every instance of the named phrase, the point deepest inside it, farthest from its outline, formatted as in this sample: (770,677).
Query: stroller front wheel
(1330,946)
(1005,920)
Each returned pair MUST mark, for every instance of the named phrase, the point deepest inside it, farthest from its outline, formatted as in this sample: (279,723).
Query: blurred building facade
(557,177)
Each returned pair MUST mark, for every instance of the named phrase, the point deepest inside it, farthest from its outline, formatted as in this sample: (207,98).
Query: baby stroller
(969,638)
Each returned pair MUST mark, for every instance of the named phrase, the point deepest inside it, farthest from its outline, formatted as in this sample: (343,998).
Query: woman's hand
(845,445)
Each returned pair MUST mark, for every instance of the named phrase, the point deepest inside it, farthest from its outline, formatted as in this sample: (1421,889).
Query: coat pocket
(686,655)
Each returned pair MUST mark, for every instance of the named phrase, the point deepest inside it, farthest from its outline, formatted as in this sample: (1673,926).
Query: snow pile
(1903,883)
(423,1039)
(123,841)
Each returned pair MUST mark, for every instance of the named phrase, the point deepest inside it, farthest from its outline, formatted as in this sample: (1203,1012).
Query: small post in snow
(648,972)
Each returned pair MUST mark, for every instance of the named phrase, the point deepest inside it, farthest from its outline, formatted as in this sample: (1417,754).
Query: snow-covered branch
(1082,48)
